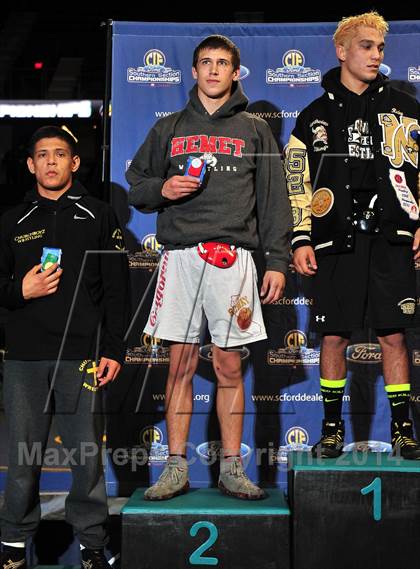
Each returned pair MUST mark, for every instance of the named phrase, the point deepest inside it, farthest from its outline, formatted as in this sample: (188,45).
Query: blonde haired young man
(352,181)
(348,27)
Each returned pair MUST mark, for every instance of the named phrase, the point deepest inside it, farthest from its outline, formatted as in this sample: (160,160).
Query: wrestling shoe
(94,559)
(332,440)
(172,482)
(404,444)
(13,557)
(234,482)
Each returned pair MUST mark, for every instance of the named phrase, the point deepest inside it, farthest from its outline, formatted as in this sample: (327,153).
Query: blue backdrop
(282,66)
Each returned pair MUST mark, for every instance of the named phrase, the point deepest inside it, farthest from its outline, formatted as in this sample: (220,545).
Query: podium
(204,527)
(361,510)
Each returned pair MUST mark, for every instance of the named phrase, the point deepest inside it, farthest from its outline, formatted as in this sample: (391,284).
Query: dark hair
(52,131)
(218,42)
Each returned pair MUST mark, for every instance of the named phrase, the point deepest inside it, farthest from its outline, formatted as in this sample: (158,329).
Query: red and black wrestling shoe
(220,255)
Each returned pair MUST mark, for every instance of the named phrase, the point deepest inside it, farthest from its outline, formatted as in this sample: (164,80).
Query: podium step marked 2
(361,510)
(204,527)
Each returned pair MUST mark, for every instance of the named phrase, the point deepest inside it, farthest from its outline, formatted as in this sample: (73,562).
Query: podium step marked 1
(204,527)
(360,511)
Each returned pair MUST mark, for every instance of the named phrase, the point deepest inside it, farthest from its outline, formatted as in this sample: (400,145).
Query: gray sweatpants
(77,408)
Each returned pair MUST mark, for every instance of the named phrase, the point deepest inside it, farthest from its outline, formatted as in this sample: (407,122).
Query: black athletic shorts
(373,285)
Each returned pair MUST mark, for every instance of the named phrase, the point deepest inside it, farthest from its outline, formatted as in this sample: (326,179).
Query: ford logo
(243,72)
(205,352)
(368,446)
(364,354)
(385,69)
(209,450)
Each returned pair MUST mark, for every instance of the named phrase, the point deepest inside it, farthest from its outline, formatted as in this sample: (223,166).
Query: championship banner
(281,73)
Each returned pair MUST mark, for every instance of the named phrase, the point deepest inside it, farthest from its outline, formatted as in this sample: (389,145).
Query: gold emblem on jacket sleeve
(322,202)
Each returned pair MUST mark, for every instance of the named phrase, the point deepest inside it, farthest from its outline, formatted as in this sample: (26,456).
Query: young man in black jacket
(57,295)
(352,171)
(208,225)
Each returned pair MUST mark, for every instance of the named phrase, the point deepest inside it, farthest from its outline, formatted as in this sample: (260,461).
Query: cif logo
(151,244)
(295,339)
(150,436)
(150,342)
(296,436)
(154,58)
(293,58)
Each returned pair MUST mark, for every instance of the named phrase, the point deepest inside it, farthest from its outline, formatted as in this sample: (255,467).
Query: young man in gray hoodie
(213,174)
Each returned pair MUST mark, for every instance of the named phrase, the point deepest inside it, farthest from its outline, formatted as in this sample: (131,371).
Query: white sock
(15,544)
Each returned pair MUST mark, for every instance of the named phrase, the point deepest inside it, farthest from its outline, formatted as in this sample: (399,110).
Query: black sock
(399,399)
(332,392)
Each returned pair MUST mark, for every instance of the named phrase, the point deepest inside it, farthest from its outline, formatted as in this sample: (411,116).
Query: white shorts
(189,288)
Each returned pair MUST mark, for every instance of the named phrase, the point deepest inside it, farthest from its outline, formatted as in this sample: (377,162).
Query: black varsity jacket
(318,168)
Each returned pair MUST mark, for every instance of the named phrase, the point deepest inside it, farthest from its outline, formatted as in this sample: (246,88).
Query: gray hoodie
(243,198)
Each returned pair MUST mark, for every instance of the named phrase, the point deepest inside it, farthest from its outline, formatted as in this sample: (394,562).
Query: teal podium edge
(355,461)
(208,501)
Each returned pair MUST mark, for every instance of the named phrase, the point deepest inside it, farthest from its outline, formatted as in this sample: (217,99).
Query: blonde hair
(347,28)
